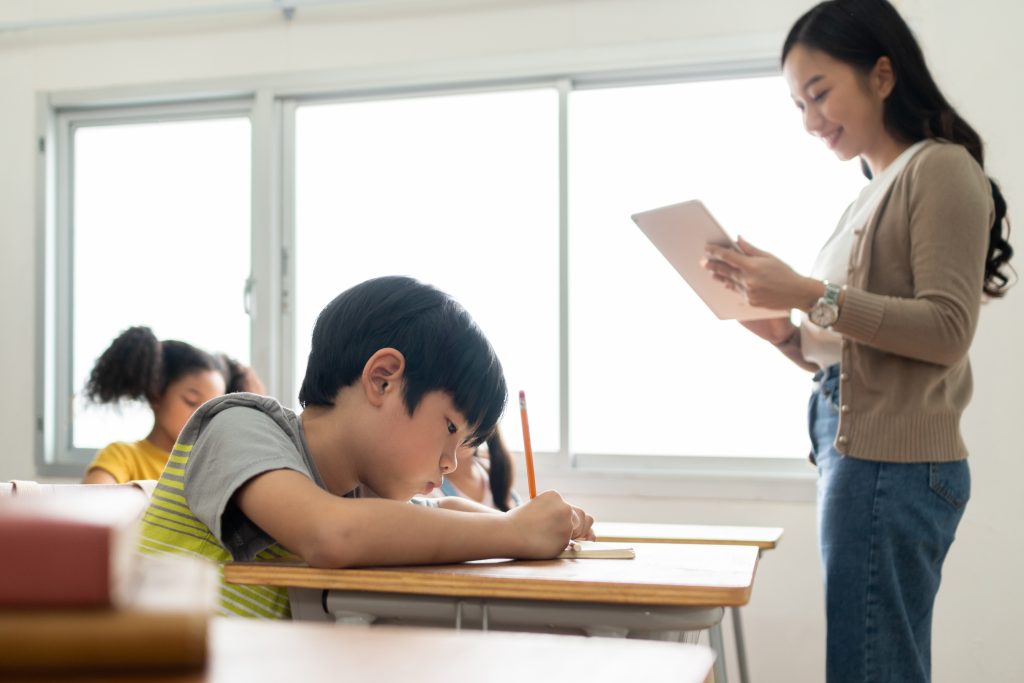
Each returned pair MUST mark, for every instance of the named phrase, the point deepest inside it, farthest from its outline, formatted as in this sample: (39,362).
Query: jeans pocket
(830,388)
(833,400)
(951,481)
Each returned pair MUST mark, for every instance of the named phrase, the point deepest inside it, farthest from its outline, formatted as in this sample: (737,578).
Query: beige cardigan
(910,311)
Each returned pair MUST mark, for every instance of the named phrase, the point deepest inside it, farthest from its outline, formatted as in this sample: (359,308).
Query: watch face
(823,314)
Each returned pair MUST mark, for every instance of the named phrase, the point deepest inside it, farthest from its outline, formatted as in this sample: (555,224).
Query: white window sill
(706,478)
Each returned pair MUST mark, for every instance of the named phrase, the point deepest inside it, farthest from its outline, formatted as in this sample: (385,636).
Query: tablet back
(680,232)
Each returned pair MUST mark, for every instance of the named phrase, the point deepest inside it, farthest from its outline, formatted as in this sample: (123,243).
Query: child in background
(241,377)
(484,479)
(173,377)
(399,378)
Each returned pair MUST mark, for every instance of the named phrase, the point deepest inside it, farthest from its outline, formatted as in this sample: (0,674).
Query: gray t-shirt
(235,438)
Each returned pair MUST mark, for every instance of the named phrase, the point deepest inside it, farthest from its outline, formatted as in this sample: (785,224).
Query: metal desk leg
(715,633)
(355,618)
(601,631)
(741,648)
(308,605)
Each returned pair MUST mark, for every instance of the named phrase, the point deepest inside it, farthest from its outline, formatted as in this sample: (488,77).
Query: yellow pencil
(530,476)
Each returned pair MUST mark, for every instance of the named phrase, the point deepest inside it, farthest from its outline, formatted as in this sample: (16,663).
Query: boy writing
(399,377)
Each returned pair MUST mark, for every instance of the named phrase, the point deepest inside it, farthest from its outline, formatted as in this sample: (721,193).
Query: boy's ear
(383,374)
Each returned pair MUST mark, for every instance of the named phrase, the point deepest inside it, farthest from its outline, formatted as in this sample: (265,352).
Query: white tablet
(680,232)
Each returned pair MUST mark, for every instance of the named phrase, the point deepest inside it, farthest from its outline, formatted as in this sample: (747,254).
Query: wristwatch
(825,311)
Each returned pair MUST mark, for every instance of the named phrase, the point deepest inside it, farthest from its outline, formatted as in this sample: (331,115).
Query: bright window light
(161,237)
(458,191)
(652,371)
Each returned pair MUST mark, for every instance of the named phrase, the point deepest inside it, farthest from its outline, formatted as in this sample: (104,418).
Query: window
(514,197)
(157,234)
(652,371)
(459,191)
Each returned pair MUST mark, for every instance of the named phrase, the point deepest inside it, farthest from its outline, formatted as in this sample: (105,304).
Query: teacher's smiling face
(842,106)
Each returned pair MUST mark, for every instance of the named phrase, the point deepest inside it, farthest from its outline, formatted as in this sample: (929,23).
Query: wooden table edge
(470,586)
(696,539)
(612,538)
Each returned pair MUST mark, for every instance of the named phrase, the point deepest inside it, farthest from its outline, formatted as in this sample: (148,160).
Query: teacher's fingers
(748,248)
(721,269)
(734,258)
(729,283)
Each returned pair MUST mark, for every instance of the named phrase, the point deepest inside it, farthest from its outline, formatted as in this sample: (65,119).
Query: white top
(823,346)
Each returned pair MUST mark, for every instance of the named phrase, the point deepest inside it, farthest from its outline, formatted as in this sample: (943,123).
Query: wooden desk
(244,650)
(665,590)
(692,575)
(763,538)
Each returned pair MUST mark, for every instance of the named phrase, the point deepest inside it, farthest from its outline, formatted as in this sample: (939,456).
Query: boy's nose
(448,463)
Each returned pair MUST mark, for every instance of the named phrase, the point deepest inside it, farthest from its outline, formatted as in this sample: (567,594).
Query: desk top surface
(243,650)
(763,537)
(661,574)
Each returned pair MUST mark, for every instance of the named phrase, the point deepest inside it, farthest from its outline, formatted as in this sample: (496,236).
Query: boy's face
(415,452)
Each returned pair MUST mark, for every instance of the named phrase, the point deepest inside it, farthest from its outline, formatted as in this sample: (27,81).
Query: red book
(68,550)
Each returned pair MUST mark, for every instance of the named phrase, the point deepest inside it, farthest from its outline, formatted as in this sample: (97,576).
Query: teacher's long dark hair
(859,32)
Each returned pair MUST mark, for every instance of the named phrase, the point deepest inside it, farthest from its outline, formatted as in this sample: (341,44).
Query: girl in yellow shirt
(174,378)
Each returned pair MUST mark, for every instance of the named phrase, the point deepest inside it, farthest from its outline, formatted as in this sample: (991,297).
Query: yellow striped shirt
(168,526)
(225,443)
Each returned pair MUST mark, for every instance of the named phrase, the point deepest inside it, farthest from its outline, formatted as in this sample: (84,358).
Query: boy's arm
(329,531)
(462,505)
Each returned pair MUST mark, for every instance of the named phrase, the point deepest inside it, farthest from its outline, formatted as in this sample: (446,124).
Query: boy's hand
(582,525)
(545,525)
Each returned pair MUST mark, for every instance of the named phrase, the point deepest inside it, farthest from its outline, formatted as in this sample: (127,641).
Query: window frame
(56,454)
(271,105)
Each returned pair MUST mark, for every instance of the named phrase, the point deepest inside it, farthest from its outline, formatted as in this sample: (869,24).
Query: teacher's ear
(883,78)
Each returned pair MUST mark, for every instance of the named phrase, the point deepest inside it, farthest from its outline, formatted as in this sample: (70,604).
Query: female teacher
(889,310)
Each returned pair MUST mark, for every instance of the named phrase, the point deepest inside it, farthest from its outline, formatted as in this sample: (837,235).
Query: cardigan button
(845,408)
(843,376)
(842,438)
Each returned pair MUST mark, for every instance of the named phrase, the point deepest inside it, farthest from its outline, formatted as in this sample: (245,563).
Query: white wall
(972,47)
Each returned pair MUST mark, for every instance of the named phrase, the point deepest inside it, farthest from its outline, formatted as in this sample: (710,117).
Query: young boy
(399,377)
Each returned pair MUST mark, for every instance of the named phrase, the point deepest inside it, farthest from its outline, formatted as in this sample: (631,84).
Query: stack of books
(76,597)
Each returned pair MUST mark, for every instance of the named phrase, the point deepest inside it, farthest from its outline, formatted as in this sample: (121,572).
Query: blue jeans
(884,530)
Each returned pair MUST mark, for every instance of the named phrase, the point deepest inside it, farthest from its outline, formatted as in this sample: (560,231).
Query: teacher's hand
(766,281)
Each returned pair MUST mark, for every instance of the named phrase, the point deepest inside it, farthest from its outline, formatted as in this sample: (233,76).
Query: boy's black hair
(444,349)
